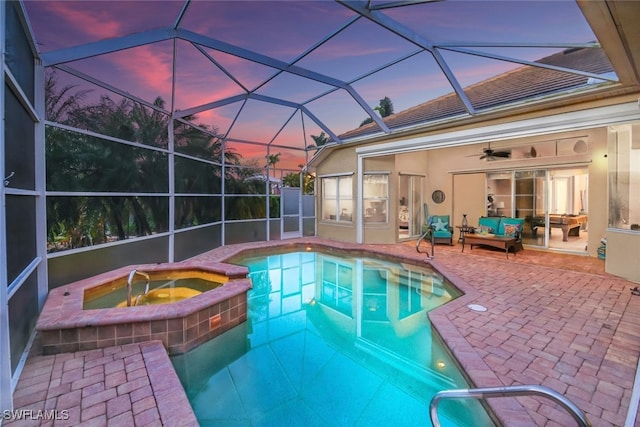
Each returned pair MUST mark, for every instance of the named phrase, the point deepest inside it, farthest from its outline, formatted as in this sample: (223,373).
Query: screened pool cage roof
(268,76)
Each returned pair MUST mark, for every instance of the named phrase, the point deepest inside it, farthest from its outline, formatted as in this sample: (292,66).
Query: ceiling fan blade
(503,154)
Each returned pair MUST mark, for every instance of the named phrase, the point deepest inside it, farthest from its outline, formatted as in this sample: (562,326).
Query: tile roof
(525,82)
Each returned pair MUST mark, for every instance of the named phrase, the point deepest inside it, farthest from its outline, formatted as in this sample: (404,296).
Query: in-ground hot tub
(69,322)
(152,287)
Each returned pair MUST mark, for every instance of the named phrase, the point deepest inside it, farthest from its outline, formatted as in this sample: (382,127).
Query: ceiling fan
(490,154)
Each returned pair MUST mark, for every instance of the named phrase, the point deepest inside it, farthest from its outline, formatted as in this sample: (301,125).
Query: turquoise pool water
(330,341)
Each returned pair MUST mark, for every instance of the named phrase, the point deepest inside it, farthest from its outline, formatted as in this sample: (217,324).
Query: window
(337,286)
(624,176)
(337,198)
(375,193)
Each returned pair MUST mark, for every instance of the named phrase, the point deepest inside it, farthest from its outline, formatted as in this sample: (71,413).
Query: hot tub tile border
(65,327)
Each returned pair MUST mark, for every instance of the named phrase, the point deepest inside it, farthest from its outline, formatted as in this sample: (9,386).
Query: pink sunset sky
(283,30)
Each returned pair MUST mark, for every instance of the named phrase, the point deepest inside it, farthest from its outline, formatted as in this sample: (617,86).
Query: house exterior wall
(338,161)
(457,168)
(439,166)
(469,191)
(598,195)
(622,254)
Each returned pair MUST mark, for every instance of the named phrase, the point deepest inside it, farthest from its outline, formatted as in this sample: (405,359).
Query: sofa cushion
(489,224)
(510,226)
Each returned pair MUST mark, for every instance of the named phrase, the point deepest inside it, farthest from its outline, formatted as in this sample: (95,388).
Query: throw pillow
(511,229)
(440,225)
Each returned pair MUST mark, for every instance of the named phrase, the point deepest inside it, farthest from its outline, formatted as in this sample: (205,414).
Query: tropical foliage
(116,186)
(319,140)
(293,180)
(385,108)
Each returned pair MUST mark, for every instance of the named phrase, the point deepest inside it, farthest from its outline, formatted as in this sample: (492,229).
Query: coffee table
(502,242)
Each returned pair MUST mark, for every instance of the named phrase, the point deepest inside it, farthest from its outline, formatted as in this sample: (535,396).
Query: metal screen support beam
(395,27)
(6,399)
(89,50)
(282,66)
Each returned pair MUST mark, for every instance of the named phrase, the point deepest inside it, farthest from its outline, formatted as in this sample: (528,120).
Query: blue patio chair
(441,229)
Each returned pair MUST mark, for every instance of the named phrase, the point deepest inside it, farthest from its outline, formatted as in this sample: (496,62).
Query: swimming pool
(330,341)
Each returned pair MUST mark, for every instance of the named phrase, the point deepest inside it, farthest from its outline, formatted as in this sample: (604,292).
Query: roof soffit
(615,25)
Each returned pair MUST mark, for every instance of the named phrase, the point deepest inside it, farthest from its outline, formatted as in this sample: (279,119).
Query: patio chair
(441,229)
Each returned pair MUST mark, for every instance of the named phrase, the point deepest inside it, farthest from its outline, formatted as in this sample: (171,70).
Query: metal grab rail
(130,279)
(423,237)
(517,390)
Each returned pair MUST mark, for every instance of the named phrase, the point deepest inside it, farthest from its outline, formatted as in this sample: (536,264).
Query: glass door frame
(290,212)
(414,184)
(539,217)
(538,212)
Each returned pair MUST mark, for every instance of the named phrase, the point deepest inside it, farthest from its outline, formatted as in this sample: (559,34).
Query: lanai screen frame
(133,251)
(362,11)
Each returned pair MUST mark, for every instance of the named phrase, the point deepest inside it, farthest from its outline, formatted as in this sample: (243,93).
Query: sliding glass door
(553,203)
(568,210)
(410,206)
(530,204)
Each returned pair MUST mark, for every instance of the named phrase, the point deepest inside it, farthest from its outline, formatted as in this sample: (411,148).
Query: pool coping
(507,409)
(171,399)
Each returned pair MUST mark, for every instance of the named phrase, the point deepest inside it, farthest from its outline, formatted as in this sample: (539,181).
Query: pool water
(161,291)
(330,341)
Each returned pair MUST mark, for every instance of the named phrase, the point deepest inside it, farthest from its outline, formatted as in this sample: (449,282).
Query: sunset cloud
(283,30)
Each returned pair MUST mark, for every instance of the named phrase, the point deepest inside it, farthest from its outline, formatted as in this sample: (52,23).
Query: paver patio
(552,319)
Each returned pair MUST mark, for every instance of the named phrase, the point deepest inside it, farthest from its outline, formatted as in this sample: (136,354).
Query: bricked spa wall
(64,326)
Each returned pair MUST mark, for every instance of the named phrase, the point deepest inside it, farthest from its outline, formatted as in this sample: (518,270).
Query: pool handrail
(508,391)
(423,237)
(129,286)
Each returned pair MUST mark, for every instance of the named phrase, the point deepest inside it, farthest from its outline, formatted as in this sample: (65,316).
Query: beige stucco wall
(468,198)
(622,254)
(459,169)
(439,178)
(440,166)
(598,198)
(339,161)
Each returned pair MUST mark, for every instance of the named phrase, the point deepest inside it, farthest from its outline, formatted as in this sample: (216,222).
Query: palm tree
(78,162)
(293,180)
(385,109)
(272,159)
(319,140)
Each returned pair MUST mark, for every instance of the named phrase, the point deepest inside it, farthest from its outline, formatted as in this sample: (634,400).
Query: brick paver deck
(129,385)
(552,319)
